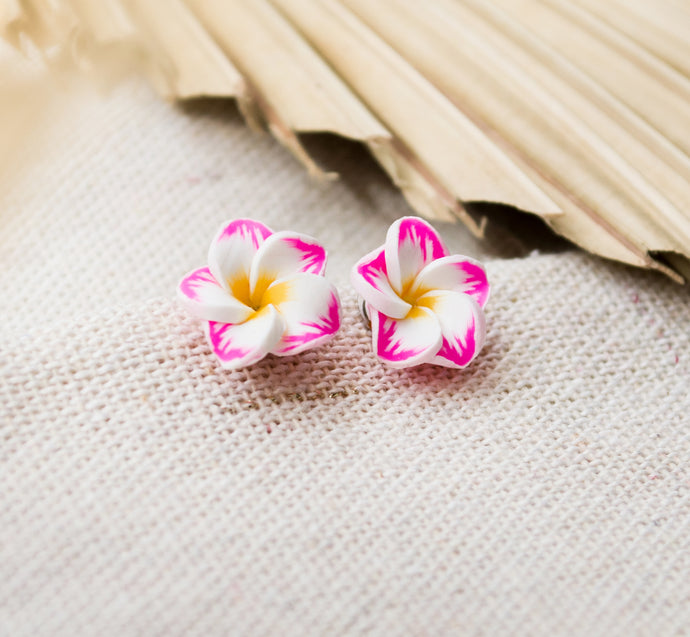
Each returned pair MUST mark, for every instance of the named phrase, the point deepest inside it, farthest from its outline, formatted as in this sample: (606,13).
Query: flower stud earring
(262,292)
(425,305)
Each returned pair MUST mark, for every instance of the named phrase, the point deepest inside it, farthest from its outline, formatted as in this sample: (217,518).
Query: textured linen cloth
(146,491)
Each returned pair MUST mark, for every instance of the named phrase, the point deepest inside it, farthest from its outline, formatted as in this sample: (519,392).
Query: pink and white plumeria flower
(262,292)
(425,304)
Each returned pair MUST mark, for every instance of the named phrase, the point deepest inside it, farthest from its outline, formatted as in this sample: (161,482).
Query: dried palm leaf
(575,111)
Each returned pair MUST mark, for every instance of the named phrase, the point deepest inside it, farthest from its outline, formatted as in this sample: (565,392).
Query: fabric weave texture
(544,490)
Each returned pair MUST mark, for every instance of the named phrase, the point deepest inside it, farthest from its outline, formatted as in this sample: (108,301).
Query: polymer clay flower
(425,304)
(262,292)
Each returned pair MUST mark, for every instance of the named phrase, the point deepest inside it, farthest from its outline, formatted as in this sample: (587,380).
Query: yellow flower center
(262,295)
(412,295)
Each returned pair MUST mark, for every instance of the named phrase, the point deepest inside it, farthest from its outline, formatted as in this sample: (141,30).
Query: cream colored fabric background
(145,491)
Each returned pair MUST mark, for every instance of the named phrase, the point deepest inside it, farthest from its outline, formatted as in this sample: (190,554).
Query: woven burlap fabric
(145,491)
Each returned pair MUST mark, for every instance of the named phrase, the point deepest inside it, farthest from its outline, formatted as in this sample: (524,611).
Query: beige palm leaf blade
(576,111)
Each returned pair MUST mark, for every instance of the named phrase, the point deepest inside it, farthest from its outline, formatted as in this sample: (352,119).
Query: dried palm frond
(574,110)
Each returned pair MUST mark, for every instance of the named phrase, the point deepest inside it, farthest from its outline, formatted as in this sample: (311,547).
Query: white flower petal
(232,251)
(405,342)
(411,243)
(462,325)
(310,308)
(203,297)
(369,277)
(246,343)
(282,255)
(457,273)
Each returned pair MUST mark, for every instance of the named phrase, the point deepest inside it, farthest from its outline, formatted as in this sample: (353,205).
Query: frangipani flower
(262,292)
(425,304)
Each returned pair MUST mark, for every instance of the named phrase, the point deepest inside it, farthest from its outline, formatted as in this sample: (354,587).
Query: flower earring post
(262,292)
(425,305)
